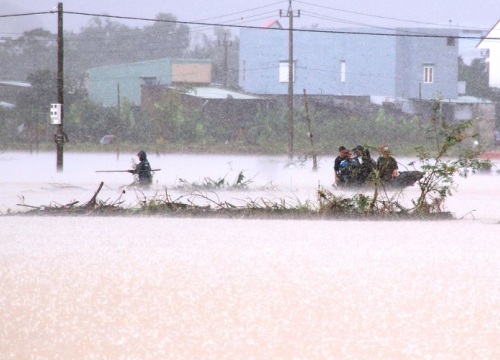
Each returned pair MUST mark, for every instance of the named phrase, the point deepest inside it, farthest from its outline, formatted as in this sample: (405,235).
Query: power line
(242,12)
(279,29)
(258,27)
(401,30)
(375,16)
(28,14)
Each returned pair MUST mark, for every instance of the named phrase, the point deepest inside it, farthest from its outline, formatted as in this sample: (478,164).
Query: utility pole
(60,137)
(290,14)
(225,67)
(119,120)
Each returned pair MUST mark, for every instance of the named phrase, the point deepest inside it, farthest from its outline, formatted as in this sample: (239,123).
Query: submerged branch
(329,206)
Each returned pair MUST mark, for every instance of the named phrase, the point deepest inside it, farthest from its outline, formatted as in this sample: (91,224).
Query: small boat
(404,179)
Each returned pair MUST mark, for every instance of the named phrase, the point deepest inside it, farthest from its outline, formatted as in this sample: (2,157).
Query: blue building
(411,63)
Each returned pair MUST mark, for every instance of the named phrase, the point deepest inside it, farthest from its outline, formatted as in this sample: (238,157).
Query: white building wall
(492,43)
(494,65)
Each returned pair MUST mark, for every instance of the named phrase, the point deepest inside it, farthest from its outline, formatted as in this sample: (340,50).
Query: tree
(101,43)
(168,118)
(165,38)
(33,106)
(475,76)
(223,51)
(34,50)
(440,166)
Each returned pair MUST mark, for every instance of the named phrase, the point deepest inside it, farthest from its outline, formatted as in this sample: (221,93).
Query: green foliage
(169,116)
(330,132)
(268,129)
(476,77)
(88,122)
(240,183)
(439,168)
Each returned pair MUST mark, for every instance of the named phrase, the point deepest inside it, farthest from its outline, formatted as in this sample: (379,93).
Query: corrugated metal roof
(16,83)
(468,100)
(6,104)
(216,93)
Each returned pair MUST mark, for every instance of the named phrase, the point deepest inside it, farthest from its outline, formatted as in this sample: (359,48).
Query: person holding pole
(143,169)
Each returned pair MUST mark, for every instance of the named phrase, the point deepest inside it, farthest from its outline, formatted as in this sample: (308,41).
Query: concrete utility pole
(290,14)
(225,44)
(60,137)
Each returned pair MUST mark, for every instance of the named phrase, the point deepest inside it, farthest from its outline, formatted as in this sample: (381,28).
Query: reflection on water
(76,287)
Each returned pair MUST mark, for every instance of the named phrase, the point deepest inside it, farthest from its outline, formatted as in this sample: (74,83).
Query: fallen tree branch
(92,201)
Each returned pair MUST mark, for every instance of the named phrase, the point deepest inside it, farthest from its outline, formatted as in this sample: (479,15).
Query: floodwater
(171,288)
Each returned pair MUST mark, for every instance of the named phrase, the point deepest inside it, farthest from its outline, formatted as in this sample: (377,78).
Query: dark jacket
(143,169)
(386,166)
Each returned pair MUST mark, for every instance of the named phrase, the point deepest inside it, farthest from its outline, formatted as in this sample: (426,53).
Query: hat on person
(342,148)
(142,155)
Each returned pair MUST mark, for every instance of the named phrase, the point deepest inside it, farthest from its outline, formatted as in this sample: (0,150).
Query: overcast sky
(326,13)
(480,14)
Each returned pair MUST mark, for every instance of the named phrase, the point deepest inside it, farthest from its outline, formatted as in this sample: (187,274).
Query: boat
(403,180)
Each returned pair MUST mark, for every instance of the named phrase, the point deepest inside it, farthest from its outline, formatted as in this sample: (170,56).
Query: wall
(412,53)
(103,81)
(318,56)
(494,55)
(191,73)
(485,114)
(376,65)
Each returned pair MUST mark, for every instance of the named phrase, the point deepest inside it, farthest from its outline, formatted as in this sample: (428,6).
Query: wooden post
(118,127)
(310,134)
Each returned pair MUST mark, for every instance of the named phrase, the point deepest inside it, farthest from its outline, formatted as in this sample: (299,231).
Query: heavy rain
(208,98)
(156,287)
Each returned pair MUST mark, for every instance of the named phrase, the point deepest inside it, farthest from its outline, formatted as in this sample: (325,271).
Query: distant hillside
(15,26)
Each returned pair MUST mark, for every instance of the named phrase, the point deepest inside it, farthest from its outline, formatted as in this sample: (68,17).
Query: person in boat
(387,166)
(347,170)
(143,169)
(343,155)
(363,164)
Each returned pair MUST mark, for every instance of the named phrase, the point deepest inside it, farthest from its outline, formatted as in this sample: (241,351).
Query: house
(401,69)
(10,90)
(104,83)
(491,44)
(415,63)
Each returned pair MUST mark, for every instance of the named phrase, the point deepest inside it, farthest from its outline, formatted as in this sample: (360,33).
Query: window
(283,75)
(244,70)
(450,41)
(148,81)
(342,71)
(428,74)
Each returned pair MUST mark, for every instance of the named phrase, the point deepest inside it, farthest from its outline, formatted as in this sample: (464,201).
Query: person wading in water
(143,170)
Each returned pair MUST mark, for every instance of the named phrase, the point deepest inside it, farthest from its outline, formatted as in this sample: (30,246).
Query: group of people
(351,167)
(356,166)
